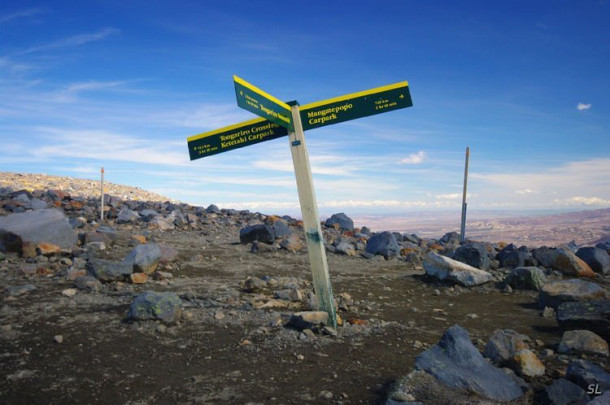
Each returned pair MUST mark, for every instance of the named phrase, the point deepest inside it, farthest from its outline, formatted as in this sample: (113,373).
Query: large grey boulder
(457,363)
(511,257)
(582,341)
(448,269)
(555,293)
(564,260)
(598,259)
(259,232)
(108,271)
(473,254)
(144,258)
(590,315)
(586,374)
(150,305)
(383,244)
(44,225)
(503,345)
(126,215)
(526,278)
(342,220)
(564,392)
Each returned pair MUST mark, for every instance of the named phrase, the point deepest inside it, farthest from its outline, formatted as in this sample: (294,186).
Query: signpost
(464,204)
(280,119)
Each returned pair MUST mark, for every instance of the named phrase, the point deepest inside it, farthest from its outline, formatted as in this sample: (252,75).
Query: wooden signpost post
(279,119)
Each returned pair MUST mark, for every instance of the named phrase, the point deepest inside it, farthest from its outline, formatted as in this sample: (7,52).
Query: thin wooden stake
(464,205)
(102,192)
(311,219)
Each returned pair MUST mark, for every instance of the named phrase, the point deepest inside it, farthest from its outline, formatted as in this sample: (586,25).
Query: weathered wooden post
(464,204)
(102,197)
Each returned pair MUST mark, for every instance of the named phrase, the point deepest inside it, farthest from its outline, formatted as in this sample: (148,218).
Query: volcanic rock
(45,225)
(259,232)
(598,259)
(582,341)
(555,293)
(445,268)
(457,363)
(590,315)
(526,278)
(342,220)
(162,306)
(383,244)
(503,345)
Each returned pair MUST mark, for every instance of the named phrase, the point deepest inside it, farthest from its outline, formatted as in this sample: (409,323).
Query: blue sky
(524,84)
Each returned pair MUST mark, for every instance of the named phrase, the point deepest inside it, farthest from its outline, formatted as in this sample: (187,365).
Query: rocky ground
(168,303)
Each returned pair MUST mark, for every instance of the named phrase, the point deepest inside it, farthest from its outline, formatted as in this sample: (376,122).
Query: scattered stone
(307,320)
(457,363)
(563,260)
(548,312)
(261,233)
(290,294)
(448,269)
(292,243)
(126,215)
(383,244)
(503,345)
(15,291)
(526,278)
(555,293)
(88,283)
(582,341)
(473,254)
(590,315)
(58,338)
(144,258)
(344,246)
(161,224)
(527,364)
(564,392)
(342,220)
(162,306)
(138,278)
(598,259)
(46,225)
(212,209)
(108,271)
(511,257)
(69,292)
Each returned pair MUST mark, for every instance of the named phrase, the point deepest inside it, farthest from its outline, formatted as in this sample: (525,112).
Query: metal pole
(311,219)
(102,192)
(464,205)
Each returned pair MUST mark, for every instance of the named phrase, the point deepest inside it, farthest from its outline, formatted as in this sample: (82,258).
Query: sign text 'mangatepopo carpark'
(355,105)
(233,137)
(255,100)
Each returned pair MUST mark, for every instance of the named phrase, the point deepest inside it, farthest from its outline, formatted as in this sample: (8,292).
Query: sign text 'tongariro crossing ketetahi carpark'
(280,119)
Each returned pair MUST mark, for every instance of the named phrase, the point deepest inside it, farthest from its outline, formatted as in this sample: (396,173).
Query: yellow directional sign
(356,105)
(255,100)
(233,137)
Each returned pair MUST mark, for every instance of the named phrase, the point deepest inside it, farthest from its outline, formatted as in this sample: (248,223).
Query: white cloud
(414,158)
(583,201)
(20,14)
(452,196)
(75,40)
(554,186)
(582,106)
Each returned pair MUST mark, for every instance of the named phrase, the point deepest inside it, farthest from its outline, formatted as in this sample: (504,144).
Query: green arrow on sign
(232,137)
(255,100)
(356,105)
